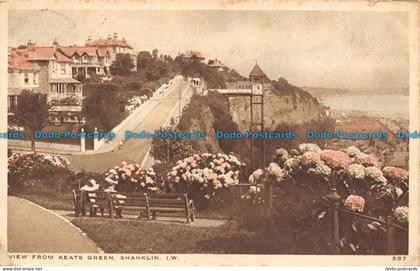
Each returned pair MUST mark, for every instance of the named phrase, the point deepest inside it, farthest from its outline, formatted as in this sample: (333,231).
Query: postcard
(209,133)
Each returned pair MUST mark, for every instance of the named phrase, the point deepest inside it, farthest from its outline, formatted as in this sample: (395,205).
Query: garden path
(33,228)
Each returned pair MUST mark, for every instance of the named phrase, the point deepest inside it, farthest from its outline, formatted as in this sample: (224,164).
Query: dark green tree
(122,65)
(102,109)
(143,60)
(31,113)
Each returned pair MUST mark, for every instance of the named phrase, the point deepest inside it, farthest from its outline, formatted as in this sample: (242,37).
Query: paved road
(133,150)
(33,229)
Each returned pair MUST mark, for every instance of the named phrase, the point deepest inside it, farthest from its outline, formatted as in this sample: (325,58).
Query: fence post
(82,141)
(269,195)
(334,201)
(390,236)
(83,202)
(95,140)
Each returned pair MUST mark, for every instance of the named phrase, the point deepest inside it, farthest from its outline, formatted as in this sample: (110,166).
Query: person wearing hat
(92,186)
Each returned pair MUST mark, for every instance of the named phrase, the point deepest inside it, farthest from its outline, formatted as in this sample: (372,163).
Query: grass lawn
(62,202)
(136,236)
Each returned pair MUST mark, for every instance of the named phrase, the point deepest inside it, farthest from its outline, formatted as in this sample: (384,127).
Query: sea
(380,105)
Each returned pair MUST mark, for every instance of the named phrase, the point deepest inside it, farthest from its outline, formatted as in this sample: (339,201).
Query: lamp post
(334,201)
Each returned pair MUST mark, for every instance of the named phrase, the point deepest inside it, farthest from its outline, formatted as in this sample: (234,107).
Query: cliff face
(205,122)
(280,107)
(198,116)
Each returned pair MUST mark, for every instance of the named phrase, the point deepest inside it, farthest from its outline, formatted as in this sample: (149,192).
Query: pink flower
(366,160)
(355,203)
(275,171)
(227,166)
(220,169)
(335,159)
(395,174)
(311,158)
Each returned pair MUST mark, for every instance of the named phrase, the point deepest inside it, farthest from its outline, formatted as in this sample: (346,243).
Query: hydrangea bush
(29,170)
(304,176)
(130,178)
(205,175)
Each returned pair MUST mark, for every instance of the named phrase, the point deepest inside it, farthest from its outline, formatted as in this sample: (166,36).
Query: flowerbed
(304,177)
(203,176)
(26,171)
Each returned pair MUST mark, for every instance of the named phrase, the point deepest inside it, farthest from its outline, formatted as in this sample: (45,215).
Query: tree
(122,65)
(103,109)
(156,70)
(155,53)
(143,60)
(31,113)
(170,150)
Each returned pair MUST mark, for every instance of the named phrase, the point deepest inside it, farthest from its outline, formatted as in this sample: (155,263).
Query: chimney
(109,36)
(89,39)
(55,43)
(115,36)
(29,44)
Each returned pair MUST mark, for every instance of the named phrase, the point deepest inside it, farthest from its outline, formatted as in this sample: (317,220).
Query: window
(26,79)
(63,68)
(70,89)
(35,78)
(54,66)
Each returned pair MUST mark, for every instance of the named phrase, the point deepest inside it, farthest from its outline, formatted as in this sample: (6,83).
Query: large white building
(42,69)
(114,46)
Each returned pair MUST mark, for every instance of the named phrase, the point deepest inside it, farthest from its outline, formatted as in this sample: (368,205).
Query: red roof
(257,72)
(46,53)
(109,42)
(21,59)
(80,50)
(102,52)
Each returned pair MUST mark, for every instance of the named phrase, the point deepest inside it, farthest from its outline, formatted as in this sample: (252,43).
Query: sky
(332,49)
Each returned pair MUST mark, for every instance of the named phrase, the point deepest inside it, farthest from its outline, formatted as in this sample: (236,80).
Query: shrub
(298,199)
(133,85)
(203,176)
(29,171)
(146,91)
(130,178)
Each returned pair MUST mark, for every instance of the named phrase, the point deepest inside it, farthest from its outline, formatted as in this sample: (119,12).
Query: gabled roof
(79,50)
(18,60)
(257,72)
(109,42)
(22,59)
(46,53)
(103,52)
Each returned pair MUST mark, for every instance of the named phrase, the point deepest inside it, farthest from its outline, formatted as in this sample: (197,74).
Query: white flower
(305,147)
(356,171)
(373,172)
(320,170)
(292,164)
(352,151)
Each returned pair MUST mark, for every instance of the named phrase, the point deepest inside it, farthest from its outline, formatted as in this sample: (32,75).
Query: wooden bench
(151,204)
(76,201)
(171,203)
(128,201)
(93,201)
